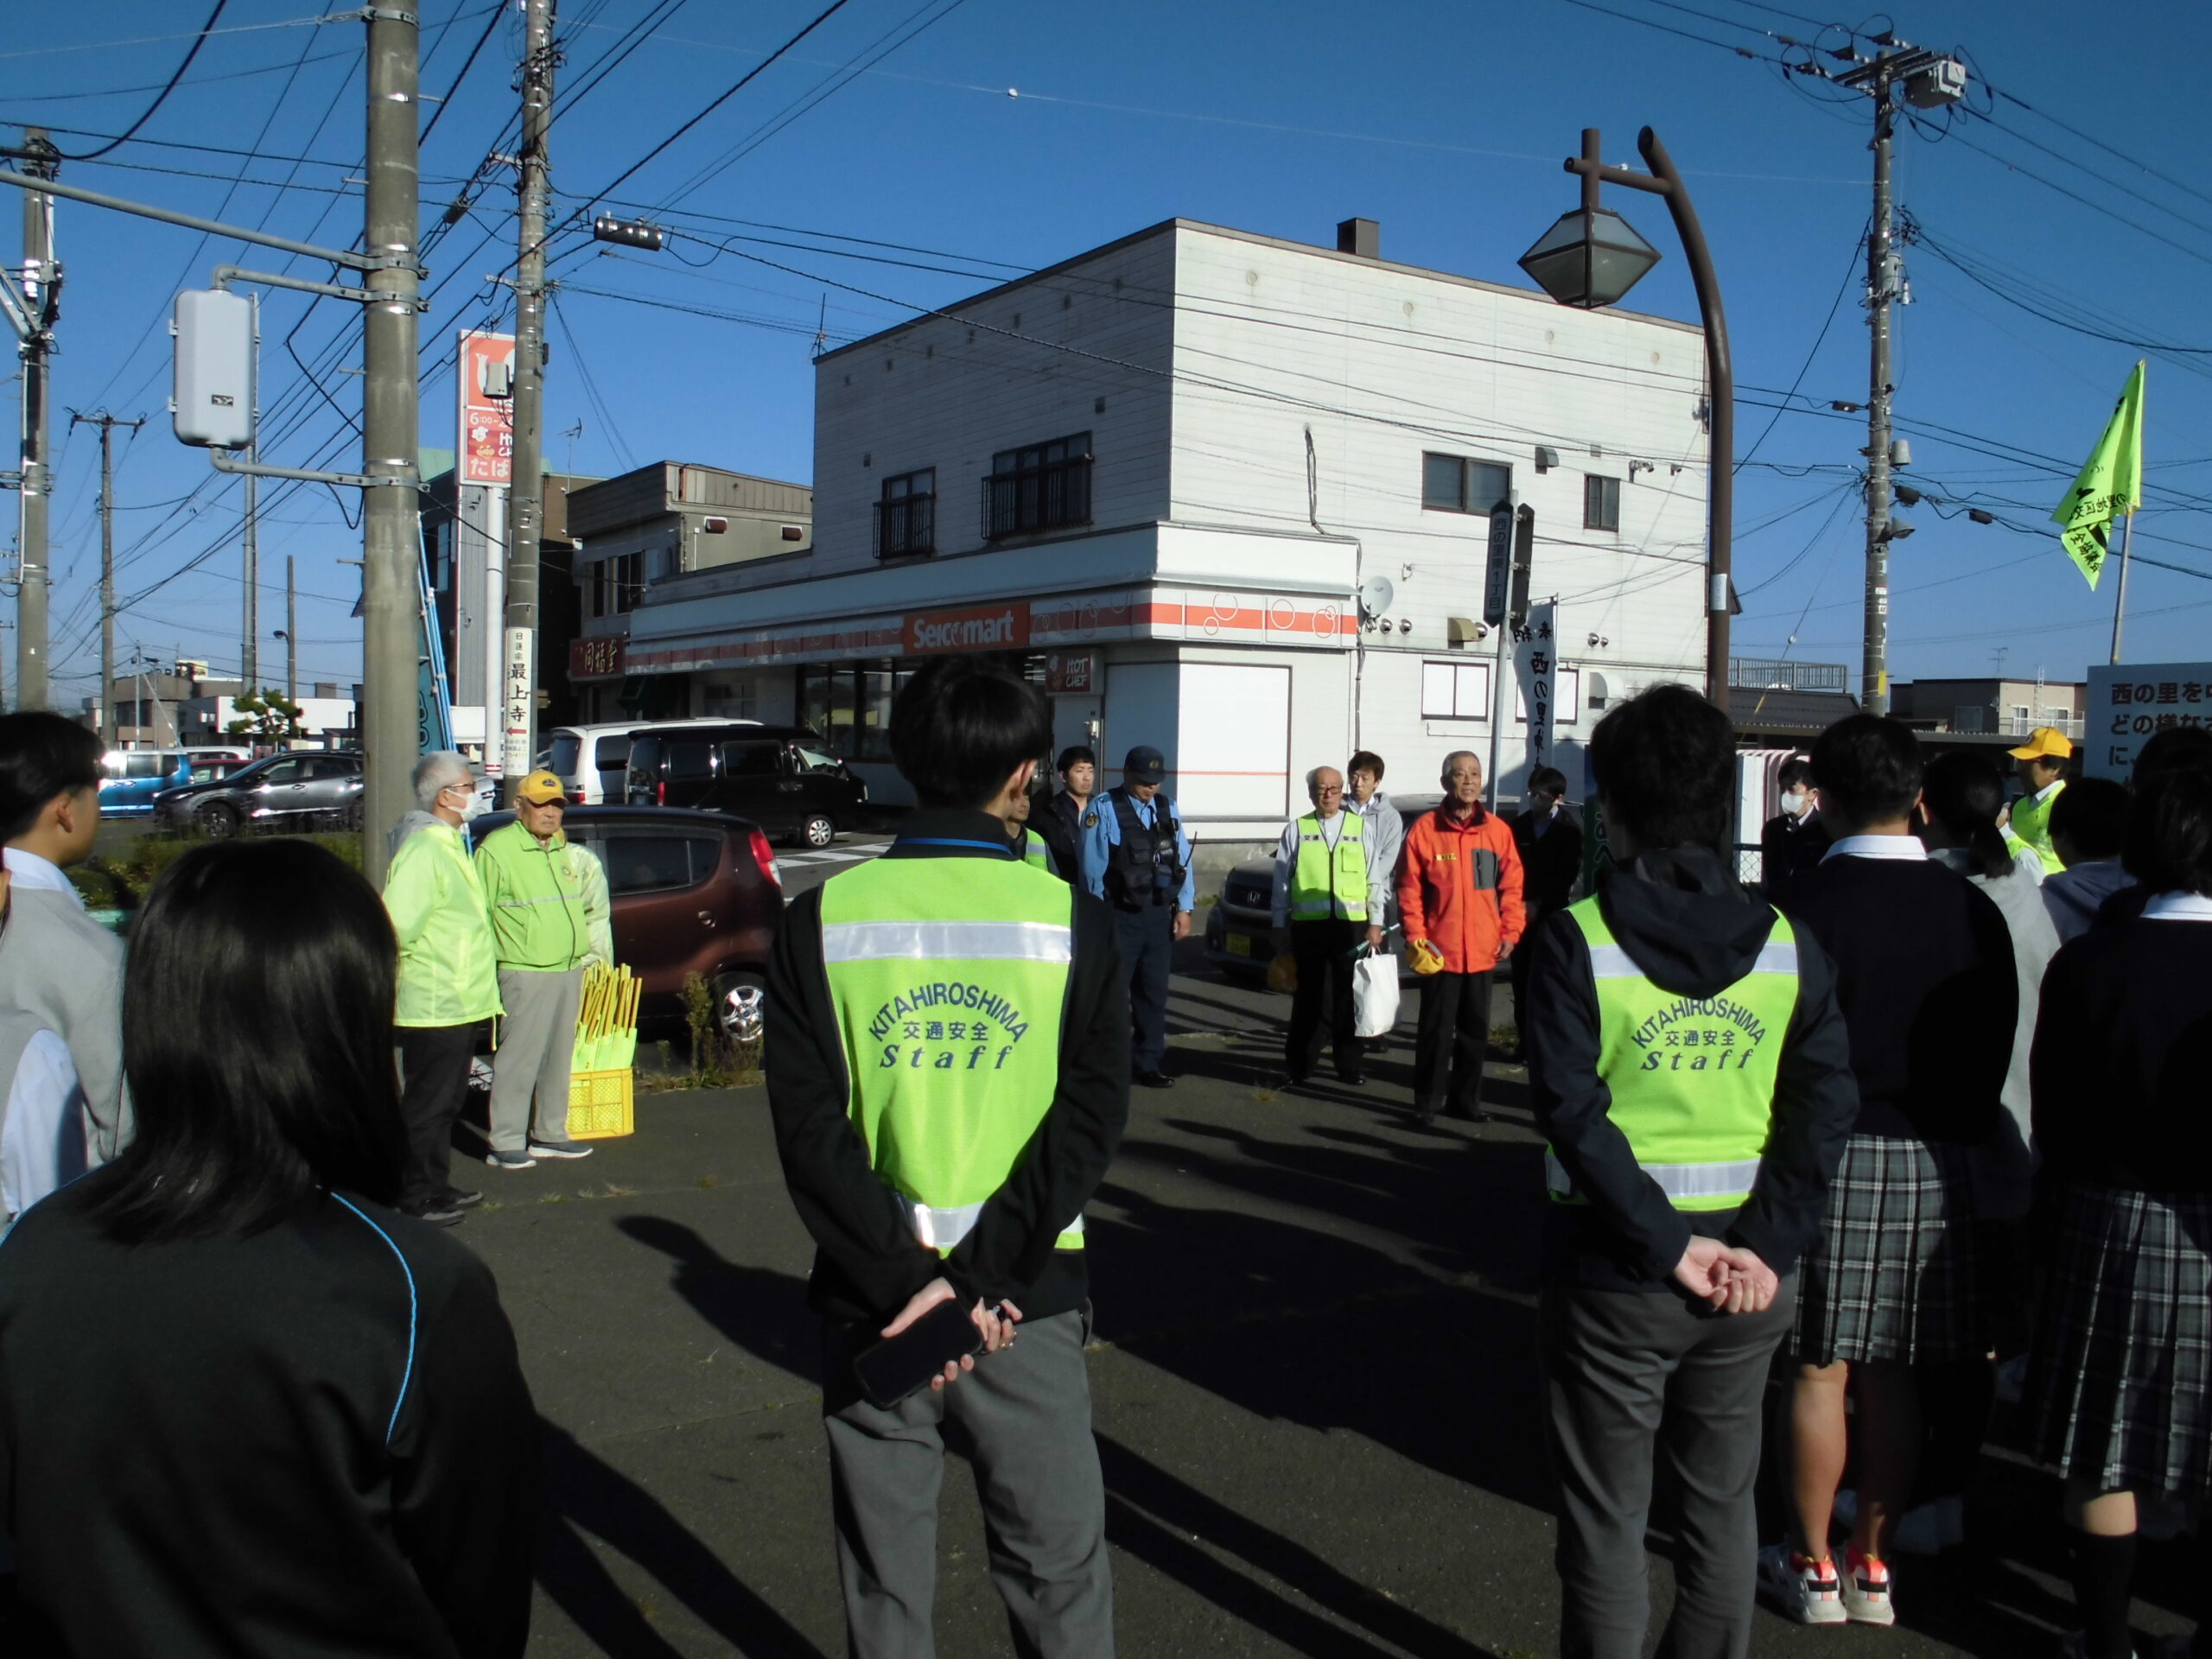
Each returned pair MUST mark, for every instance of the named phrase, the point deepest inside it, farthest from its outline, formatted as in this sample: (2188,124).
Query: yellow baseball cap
(541,787)
(2045,743)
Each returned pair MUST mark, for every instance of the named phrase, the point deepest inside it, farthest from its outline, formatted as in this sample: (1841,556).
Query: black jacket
(1789,850)
(1059,821)
(1551,861)
(1686,923)
(314,1440)
(867,1263)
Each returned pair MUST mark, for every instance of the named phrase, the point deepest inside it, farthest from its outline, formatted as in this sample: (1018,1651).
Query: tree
(268,715)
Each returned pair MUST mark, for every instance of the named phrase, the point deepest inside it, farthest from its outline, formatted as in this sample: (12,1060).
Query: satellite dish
(1376,594)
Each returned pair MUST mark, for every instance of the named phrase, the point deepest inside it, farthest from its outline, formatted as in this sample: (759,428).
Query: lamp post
(1591,257)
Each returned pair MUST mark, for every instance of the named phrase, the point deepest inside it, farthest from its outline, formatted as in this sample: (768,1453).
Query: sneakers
(437,1212)
(1867,1591)
(559,1149)
(455,1198)
(1807,1592)
(510,1159)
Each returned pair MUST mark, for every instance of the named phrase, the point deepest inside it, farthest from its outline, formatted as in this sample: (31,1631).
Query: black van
(784,778)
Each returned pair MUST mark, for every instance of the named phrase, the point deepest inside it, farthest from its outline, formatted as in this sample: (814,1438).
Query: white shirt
(2179,907)
(1904,846)
(36,875)
(42,1133)
(2048,790)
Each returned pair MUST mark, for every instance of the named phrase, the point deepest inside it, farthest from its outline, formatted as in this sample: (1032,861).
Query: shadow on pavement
(760,1310)
(584,1494)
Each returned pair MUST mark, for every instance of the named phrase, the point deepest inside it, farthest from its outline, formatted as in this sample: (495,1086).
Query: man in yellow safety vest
(1322,914)
(1692,1075)
(948,1067)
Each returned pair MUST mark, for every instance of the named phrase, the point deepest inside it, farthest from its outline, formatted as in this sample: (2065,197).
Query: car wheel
(216,821)
(818,831)
(738,999)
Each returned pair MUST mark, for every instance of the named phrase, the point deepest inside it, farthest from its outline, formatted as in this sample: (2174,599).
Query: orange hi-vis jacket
(1459,887)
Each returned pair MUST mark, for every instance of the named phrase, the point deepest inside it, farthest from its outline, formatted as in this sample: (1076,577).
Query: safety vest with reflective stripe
(1324,883)
(949,976)
(1692,1079)
(1034,851)
(2031,822)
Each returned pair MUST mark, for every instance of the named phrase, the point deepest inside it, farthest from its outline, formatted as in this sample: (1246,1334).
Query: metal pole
(2120,609)
(526,484)
(291,636)
(41,284)
(249,630)
(391,517)
(1881,290)
(110,726)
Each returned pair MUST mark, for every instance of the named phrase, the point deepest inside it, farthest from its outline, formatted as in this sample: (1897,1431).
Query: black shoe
(1283,1080)
(1425,1115)
(1353,1079)
(437,1212)
(1467,1113)
(1153,1080)
(455,1199)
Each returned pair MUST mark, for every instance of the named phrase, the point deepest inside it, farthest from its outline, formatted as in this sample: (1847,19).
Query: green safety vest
(1692,1079)
(1322,887)
(949,977)
(1034,851)
(2032,824)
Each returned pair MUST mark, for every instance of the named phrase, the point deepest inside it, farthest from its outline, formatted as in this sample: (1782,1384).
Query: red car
(693,892)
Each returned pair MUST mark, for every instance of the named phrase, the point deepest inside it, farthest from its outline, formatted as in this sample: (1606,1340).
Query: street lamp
(1591,257)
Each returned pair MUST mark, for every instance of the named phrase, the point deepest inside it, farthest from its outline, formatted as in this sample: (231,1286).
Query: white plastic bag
(1374,995)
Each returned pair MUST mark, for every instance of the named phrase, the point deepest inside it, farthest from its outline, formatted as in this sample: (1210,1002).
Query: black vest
(1145,866)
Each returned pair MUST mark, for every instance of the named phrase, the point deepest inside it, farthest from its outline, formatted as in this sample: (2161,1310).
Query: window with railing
(906,517)
(1044,486)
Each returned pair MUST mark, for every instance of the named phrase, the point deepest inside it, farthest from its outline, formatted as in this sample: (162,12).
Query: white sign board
(1535,670)
(521,687)
(2131,704)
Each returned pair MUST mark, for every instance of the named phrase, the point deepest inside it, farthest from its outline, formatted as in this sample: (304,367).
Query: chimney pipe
(1361,236)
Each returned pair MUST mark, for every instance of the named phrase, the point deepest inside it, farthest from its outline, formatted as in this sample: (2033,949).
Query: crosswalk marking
(831,855)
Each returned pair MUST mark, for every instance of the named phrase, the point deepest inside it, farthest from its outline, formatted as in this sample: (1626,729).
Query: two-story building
(1227,495)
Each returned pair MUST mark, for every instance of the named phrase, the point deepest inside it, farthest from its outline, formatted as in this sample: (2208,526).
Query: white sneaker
(1807,1592)
(1866,1589)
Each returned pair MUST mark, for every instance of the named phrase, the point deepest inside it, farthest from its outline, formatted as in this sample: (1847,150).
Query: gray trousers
(1023,1417)
(537,1042)
(1625,1373)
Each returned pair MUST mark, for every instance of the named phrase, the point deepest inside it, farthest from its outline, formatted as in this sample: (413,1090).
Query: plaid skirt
(2119,1389)
(1896,1272)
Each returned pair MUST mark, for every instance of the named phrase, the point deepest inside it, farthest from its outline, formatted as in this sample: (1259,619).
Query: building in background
(1998,708)
(658,528)
(1160,477)
(330,717)
(150,699)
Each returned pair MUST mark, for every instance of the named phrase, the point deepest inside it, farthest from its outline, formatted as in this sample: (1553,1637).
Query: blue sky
(1003,135)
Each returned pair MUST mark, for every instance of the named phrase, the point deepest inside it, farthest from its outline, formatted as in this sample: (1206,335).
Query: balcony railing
(906,528)
(1791,676)
(1043,498)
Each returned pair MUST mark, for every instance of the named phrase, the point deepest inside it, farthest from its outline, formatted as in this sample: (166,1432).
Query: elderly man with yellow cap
(2043,761)
(547,902)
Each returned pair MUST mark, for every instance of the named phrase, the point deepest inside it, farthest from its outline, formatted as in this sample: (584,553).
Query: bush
(122,882)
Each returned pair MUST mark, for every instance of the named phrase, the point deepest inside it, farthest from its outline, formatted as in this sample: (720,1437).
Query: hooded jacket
(448,972)
(1694,931)
(547,901)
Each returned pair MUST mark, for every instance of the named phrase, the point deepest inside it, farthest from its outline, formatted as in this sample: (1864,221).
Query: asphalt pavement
(1314,1376)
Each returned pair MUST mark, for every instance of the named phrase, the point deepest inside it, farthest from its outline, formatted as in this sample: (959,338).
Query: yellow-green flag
(2111,483)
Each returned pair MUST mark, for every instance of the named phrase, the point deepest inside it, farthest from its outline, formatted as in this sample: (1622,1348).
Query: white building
(1159,475)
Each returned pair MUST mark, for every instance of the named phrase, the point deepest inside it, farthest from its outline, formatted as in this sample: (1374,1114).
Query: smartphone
(900,1366)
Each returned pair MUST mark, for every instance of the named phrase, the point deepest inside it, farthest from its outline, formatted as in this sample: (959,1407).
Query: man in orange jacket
(1458,890)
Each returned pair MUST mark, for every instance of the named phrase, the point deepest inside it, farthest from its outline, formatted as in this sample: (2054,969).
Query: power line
(161,98)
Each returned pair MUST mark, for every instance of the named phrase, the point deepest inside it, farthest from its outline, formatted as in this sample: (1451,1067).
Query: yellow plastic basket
(600,1105)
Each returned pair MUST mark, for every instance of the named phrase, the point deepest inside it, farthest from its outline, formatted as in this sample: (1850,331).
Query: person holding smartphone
(948,1068)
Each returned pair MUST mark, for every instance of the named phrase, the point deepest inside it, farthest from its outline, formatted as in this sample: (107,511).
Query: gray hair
(1454,758)
(436,772)
(1313,782)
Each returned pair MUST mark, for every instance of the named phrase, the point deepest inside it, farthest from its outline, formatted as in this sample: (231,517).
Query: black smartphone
(903,1365)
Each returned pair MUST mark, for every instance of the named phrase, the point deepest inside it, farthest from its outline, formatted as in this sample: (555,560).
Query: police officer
(1137,858)
(1690,1069)
(1321,915)
(947,1071)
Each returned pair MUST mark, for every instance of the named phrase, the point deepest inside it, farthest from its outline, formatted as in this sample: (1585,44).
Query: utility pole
(526,483)
(292,638)
(42,292)
(249,633)
(1927,79)
(107,423)
(391,539)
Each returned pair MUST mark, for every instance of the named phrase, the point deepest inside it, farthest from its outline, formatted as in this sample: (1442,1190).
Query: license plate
(1239,945)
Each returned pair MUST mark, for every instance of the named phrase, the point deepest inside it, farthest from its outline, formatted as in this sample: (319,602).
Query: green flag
(2111,483)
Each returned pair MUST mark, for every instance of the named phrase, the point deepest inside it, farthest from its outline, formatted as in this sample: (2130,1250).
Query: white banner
(520,688)
(1536,667)
(2131,704)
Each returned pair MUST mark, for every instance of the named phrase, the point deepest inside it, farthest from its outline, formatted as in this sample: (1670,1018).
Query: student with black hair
(1926,981)
(2168,751)
(1060,822)
(248,1409)
(1794,841)
(948,1066)
(2119,1394)
(1689,1070)
(2089,825)
(58,966)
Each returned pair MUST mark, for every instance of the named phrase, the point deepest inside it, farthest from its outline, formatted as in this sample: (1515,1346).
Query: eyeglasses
(1328,789)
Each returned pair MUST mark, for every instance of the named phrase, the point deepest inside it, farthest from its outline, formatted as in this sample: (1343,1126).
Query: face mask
(474,810)
(1796,803)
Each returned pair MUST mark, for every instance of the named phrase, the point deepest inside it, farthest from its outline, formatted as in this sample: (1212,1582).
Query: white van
(591,760)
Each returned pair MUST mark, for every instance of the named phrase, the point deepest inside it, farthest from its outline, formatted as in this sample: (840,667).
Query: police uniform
(1321,895)
(946,1065)
(1136,856)
(1714,1100)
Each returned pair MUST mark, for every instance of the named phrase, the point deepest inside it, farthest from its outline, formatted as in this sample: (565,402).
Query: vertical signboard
(520,683)
(1501,563)
(2132,702)
(485,454)
(1535,663)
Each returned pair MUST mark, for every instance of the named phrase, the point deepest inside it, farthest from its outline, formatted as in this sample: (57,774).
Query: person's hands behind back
(1708,1271)
(997,1328)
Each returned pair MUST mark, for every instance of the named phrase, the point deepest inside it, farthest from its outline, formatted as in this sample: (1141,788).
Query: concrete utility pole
(107,423)
(292,638)
(526,482)
(391,539)
(250,628)
(41,291)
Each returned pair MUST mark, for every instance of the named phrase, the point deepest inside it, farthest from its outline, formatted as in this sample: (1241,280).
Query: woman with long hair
(246,1406)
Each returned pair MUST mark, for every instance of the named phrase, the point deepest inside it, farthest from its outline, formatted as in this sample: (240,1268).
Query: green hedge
(122,883)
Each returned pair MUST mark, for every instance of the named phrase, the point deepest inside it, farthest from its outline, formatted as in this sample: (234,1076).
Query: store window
(1455,690)
(1042,487)
(1462,484)
(1601,503)
(849,705)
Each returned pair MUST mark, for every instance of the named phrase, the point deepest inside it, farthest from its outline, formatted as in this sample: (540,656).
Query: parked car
(782,777)
(130,779)
(299,790)
(590,760)
(693,892)
(1239,934)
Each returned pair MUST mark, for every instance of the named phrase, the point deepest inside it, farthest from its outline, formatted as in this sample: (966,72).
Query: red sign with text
(486,449)
(597,659)
(990,627)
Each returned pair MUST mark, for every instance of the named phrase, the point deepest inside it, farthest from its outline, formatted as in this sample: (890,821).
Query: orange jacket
(1459,888)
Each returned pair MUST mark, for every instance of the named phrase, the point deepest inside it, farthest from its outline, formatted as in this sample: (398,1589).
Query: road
(1314,1377)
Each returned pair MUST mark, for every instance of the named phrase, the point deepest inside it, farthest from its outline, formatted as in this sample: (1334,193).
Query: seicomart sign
(991,627)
